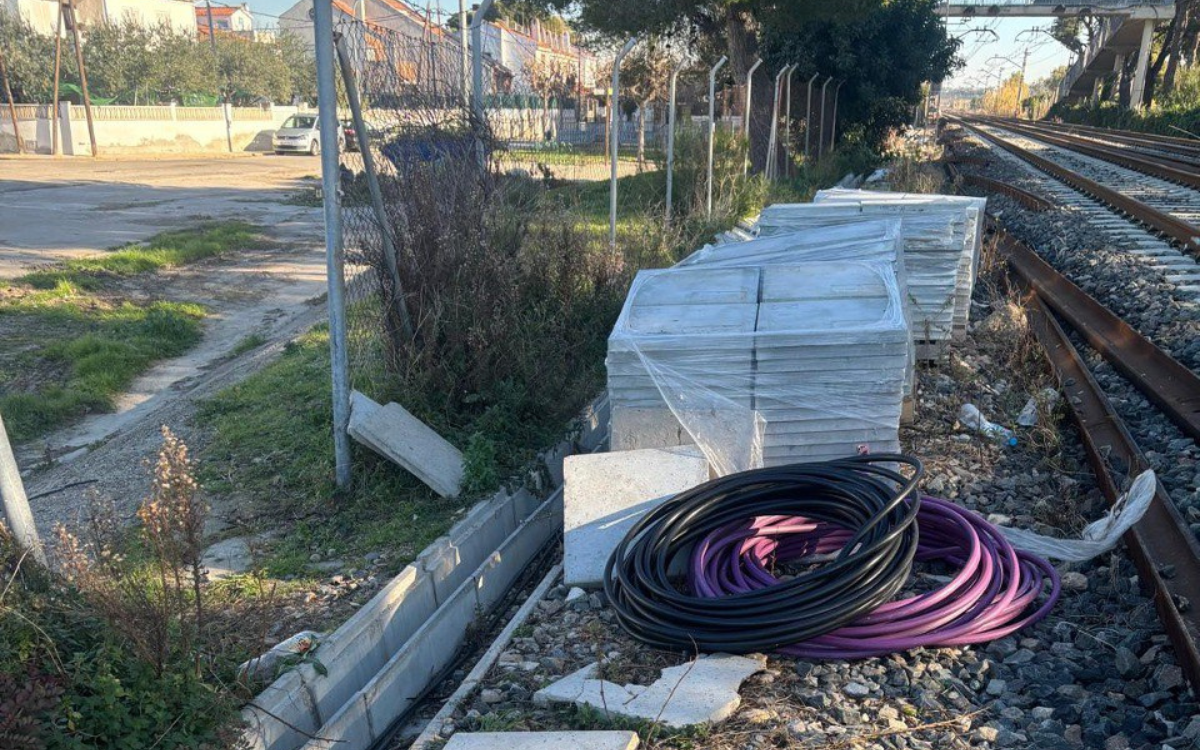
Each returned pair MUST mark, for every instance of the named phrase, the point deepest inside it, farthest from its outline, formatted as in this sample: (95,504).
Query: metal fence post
(787,124)
(477,75)
(808,117)
(833,125)
(671,139)
(772,140)
(327,116)
(712,126)
(746,124)
(465,55)
(613,101)
(821,140)
(17,515)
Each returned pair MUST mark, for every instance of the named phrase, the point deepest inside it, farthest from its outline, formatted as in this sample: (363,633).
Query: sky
(978,49)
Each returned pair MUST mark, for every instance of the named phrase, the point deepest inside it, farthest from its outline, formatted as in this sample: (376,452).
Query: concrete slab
(227,558)
(704,691)
(544,741)
(407,441)
(605,494)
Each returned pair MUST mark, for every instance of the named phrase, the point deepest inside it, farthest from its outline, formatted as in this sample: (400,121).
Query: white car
(300,134)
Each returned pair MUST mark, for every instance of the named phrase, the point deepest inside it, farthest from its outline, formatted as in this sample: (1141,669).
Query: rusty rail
(1162,547)
(1182,232)
(1166,382)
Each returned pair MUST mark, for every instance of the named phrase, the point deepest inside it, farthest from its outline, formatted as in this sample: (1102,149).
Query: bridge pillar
(1138,89)
(1118,71)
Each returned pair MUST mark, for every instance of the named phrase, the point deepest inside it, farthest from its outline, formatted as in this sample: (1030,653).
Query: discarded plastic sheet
(970,416)
(1098,536)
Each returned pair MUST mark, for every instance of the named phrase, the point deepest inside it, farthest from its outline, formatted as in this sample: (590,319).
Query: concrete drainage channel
(383,659)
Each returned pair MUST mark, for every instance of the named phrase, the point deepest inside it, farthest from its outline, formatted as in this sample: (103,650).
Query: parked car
(300,134)
(350,138)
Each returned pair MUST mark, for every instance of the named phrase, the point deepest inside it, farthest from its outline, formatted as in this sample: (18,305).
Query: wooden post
(57,74)
(87,101)
(14,504)
(12,107)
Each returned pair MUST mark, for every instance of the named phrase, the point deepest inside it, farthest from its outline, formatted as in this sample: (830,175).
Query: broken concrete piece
(605,493)
(408,442)
(544,741)
(703,691)
(227,558)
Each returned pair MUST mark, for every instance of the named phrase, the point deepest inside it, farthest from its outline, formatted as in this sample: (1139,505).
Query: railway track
(1150,217)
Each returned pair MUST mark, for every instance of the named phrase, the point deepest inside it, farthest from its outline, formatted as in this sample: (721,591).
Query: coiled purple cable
(989,597)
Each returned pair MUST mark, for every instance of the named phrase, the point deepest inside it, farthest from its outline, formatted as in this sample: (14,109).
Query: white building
(42,15)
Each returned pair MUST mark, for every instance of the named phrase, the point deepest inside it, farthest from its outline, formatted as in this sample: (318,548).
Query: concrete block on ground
(634,428)
(544,741)
(407,441)
(349,729)
(704,691)
(227,558)
(496,575)
(288,699)
(605,494)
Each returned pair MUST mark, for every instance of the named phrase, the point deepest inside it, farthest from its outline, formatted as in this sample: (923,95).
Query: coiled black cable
(865,494)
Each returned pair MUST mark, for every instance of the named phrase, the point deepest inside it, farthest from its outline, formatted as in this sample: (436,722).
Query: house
(42,15)
(226,19)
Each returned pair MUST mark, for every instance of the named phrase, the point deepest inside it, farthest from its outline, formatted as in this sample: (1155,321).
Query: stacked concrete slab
(967,227)
(770,364)
(934,252)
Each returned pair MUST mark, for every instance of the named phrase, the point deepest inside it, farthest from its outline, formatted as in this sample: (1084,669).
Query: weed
(248,343)
(164,250)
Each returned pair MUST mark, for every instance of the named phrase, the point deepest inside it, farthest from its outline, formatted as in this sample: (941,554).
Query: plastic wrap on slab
(761,366)
(865,240)
(933,254)
(969,228)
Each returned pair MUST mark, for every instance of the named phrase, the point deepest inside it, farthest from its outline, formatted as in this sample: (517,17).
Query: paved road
(52,209)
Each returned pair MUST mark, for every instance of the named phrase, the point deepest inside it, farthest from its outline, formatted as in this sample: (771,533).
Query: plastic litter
(1029,414)
(970,415)
(1099,536)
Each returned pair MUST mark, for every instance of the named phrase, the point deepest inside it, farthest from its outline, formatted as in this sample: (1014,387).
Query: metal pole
(808,117)
(17,515)
(1021,84)
(12,107)
(833,125)
(477,75)
(57,74)
(465,59)
(327,114)
(615,132)
(821,140)
(87,100)
(746,125)
(773,138)
(212,38)
(787,124)
(364,149)
(712,126)
(671,139)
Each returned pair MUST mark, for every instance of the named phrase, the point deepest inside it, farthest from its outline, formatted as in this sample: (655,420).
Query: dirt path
(71,208)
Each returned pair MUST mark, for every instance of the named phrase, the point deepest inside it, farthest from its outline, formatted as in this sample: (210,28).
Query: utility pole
(1021,83)
(12,107)
(322,13)
(87,100)
(212,39)
(57,74)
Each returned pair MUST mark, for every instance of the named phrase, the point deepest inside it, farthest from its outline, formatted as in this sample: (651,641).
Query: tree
(883,59)
(645,75)
(25,55)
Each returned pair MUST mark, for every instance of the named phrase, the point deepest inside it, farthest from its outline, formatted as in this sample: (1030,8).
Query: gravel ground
(1098,673)
(1135,291)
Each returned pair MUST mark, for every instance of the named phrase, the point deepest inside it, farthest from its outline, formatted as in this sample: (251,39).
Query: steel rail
(1153,140)
(1182,158)
(1164,550)
(1187,235)
(1155,166)
(1170,385)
